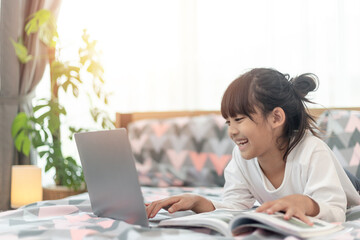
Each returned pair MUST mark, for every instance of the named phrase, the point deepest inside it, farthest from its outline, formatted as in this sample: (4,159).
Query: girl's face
(255,138)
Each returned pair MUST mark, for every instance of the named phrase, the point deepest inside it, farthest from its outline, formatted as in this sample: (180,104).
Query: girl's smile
(249,135)
(242,143)
(256,137)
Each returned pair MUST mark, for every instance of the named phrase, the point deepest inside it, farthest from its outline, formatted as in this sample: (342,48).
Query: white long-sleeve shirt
(311,169)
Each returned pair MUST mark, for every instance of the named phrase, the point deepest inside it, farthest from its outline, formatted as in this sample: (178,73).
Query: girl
(279,160)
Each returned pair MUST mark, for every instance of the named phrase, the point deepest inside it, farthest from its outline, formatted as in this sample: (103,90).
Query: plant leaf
(75,90)
(43,22)
(41,118)
(20,122)
(18,141)
(21,143)
(54,123)
(36,19)
(48,165)
(26,146)
(65,85)
(43,153)
(57,69)
(96,69)
(21,52)
(38,107)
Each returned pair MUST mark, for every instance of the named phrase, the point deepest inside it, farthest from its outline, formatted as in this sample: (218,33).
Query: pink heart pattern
(177,158)
(175,151)
(219,162)
(353,123)
(198,160)
(160,128)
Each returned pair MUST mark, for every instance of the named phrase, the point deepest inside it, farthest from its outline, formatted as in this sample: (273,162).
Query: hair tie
(296,92)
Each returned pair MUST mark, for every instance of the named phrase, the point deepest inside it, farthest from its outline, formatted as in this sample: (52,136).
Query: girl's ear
(277,117)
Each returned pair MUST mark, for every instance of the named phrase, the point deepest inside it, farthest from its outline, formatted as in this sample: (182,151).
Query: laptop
(111,176)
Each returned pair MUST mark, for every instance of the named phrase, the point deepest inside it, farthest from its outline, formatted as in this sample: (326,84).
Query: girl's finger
(264,206)
(289,214)
(305,219)
(277,207)
(181,205)
(166,203)
(149,209)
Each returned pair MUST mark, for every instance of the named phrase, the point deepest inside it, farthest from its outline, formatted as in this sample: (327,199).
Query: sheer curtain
(322,37)
(182,54)
(17,81)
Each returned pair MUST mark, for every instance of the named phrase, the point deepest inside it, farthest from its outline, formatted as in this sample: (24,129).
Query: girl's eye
(239,119)
(227,123)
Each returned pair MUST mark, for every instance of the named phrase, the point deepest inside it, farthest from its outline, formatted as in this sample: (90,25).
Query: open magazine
(234,223)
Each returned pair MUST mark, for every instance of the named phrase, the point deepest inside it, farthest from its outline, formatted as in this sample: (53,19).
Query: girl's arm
(323,194)
(324,186)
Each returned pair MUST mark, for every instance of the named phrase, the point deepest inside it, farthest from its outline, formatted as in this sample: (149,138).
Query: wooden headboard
(123,119)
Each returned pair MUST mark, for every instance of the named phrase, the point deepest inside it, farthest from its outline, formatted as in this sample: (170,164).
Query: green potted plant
(41,129)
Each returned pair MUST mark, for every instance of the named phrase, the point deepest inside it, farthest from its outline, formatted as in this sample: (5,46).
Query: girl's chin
(246,156)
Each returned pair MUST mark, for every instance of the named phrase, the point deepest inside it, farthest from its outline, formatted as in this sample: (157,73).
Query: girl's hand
(296,205)
(182,202)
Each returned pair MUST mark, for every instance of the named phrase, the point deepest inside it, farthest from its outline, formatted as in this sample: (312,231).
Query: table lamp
(26,185)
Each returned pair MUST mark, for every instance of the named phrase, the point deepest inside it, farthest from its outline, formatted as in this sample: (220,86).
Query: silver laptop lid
(111,176)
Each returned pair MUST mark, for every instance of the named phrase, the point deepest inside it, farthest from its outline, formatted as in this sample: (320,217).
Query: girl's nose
(232,130)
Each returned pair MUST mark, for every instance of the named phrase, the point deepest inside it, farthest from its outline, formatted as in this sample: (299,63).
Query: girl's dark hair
(266,89)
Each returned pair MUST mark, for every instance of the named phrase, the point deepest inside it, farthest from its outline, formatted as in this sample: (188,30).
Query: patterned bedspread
(72,218)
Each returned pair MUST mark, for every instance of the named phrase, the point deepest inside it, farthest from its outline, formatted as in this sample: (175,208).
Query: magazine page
(248,221)
(217,220)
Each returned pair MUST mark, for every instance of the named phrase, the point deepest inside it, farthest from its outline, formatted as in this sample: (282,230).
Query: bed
(72,218)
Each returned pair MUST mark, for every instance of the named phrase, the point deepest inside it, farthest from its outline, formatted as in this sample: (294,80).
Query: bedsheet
(72,218)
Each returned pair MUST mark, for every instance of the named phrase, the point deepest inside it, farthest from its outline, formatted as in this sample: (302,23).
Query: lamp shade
(26,185)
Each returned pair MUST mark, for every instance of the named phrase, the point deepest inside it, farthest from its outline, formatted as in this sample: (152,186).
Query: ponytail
(303,84)
(301,119)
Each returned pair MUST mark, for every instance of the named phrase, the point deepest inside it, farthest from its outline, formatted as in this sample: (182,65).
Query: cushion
(183,151)
(340,129)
